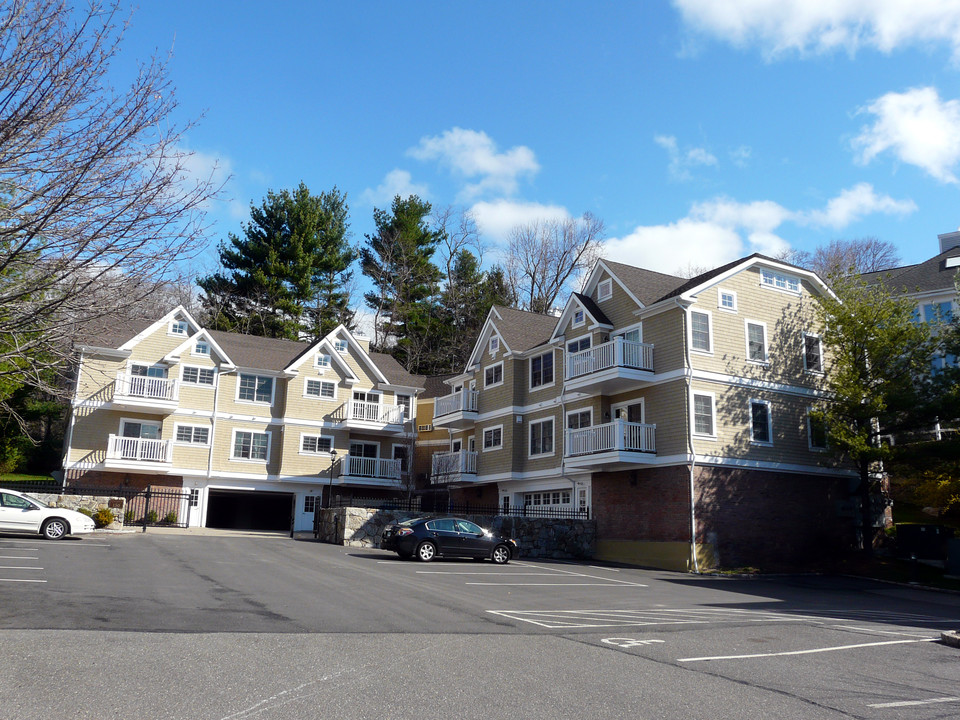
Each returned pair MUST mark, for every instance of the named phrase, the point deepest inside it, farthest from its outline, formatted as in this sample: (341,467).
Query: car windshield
(11,500)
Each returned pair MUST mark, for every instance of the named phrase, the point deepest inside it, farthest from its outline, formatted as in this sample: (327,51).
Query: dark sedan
(428,538)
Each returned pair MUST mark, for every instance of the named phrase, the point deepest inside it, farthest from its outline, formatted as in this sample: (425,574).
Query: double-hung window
(323,389)
(493,375)
(541,437)
(756,342)
(604,290)
(812,354)
(703,415)
(816,432)
(314,444)
(198,375)
(255,388)
(250,445)
(760,430)
(493,438)
(700,331)
(541,370)
(579,419)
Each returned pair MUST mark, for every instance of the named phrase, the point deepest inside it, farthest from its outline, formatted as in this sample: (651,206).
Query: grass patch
(906,513)
(13,478)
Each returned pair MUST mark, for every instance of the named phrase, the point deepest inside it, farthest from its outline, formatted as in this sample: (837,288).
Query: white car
(19,513)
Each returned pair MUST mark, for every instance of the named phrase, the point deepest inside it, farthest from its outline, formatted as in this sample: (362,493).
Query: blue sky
(698,131)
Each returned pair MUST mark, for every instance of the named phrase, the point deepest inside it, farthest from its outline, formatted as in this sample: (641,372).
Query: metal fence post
(146,508)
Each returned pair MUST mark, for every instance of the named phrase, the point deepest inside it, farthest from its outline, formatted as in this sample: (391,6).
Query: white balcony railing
(139,449)
(459,401)
(375,412)
(455,462)
(151,388)
(371,467)
(616,353)
(617,435)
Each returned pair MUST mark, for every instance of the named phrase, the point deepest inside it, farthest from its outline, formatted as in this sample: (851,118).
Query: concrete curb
(951,638)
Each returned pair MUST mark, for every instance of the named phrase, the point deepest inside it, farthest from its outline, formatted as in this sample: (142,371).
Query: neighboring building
(675,412)
(259,430)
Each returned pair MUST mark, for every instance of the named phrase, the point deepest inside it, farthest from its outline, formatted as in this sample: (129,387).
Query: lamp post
(333,459)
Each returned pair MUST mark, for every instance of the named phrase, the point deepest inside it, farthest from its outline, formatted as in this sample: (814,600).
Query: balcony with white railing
(613,445)
(380,472)
(610,367)
(453,466)
(456,410)
(146,394)
(363,415)
(144,454)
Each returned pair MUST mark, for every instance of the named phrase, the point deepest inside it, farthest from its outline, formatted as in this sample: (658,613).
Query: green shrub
(170,518)
(103,517)
(152,517)
(128,518)
(84,511)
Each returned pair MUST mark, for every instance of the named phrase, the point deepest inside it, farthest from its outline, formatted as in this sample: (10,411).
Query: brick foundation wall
(770,520)
(127,480)
(645,505)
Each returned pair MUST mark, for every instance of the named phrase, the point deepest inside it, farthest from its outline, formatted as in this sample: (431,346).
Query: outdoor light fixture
(333,459)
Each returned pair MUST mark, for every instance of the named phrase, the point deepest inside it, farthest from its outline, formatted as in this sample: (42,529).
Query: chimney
(948,241)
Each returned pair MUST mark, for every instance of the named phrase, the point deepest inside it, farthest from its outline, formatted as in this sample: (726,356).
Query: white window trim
(553,432)
(566,417)
(746,340)
(493,344)
(254,461)
(490,367)
(642,402)
(346,346)
(206,344)
(720,306)
(184,443)
(458,442)
(318,453)
(709,332)
(319,397)
(174,322)
(365,443)
(141,421)
(810,446)
(542,386)
(273,391)
(588,338)
(601,296)
(753,440)
(393,455)
(316,499)
(803,353)
(583,318)
(321,367)
(491,429)
(713,414)
(773,273)
(212,385)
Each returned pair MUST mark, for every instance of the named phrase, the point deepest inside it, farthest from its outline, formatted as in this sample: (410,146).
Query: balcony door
(631,412)
(137,429)
(132,431)
(363,458)
(148,371)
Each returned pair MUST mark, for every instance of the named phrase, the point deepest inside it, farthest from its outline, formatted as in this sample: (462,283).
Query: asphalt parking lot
(268,627)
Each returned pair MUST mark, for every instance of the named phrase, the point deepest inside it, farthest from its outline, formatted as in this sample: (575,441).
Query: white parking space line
(21,581)
(18,557)
(488,572)
(877,632)
(806,652)
(18,567)
(912,703)
(566,619)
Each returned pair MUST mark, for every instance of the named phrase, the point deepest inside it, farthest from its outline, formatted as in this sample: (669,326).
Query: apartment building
(258,430)
(673,411)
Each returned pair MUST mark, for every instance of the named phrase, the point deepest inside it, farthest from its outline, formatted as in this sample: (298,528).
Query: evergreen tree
(397,258)
(286,275)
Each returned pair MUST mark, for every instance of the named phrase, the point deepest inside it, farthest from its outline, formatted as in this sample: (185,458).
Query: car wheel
(404,555)
(426,551)
(54,529)
(501,555)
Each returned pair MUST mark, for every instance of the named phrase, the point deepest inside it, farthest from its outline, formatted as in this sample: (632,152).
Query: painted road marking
(604,582)
(806,652)
(19,557)
(628,642)
(876,632)
(911,703)
(25,581)
(569,619)
(18,567)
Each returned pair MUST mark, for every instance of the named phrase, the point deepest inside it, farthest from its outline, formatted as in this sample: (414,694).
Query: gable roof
(522,330)
(929,276)
(648,286)
(394,372)
(253,351)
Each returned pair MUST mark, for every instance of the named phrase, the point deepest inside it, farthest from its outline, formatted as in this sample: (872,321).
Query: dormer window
(605,290)
(340,346)
(323,361)
(201,348)
(179,327)
(494,344)
(578,318)
(779,281)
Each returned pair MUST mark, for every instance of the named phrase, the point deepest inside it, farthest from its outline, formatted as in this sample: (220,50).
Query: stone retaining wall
(536,537)
(91,503)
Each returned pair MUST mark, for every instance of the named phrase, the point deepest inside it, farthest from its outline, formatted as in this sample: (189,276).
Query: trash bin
(925,542)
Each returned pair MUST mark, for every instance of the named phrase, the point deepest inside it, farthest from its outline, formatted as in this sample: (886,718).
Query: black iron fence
(439,506)
(152,507)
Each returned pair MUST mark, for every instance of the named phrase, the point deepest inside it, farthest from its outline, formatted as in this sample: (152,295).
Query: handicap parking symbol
(628,642)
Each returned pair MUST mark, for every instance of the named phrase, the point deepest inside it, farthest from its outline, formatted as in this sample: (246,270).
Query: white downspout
(693,455)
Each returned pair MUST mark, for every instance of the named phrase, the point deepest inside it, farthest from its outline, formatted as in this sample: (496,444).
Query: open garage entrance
(249,510)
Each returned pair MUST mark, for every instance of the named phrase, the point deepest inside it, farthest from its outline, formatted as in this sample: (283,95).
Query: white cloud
(819,26)
(682,161)
(471,154)
(741,156)
(496,219)
(853,204)
(918,128)
(720,230)
(395,182)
